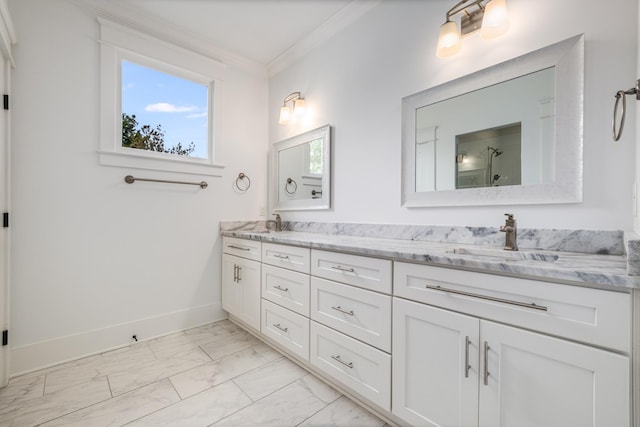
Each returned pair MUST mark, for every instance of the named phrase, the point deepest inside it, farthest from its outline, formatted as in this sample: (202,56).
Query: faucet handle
(276,215)
(509,216)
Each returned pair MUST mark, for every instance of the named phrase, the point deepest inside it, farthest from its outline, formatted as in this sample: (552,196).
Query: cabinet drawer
(362,368)
(364,272)
(289,257)
(288,288)
(362,314)
(589,315)
(244,248)
(287,328)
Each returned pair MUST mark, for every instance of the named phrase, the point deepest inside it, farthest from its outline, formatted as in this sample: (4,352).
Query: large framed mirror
(508,134)
(302,166)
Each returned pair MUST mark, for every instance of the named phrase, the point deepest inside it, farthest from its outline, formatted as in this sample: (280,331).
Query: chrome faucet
(277,222)
(511,233)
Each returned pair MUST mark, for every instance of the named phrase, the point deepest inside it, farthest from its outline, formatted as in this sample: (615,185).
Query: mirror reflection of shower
(489,157)
(491,178)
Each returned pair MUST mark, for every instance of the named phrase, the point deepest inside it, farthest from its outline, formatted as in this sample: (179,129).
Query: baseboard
(31,357)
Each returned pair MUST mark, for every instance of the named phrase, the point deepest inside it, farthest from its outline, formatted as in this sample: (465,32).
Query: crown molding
(346,16)
(166,31)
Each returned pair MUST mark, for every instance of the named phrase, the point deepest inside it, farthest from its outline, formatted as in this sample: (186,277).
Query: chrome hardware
(348,365)
(511,233)
(467,341)
(281,289)
(130,179)
(238,247)
(239,268)
(341,268)
(281,256)
(621,95)
(486,363)
(235,272)
(342,310)
(532,305)
(244,180)
(291,186)
(277,325)
(277,222)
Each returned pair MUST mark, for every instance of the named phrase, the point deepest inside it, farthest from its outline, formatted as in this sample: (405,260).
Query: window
(157,104)
(163,113)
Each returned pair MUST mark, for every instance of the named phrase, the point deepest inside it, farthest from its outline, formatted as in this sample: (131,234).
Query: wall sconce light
(490,18)
(296,111)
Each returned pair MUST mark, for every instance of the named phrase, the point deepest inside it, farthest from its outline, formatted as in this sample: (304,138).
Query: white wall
(95,260)
(355,82)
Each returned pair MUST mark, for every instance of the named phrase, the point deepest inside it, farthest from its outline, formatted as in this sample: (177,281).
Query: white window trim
(118,43)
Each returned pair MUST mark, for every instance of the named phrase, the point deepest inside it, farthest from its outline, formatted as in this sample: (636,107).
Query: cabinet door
(241,289)
(435,366)
(249,280)
(537,380)
(231,290)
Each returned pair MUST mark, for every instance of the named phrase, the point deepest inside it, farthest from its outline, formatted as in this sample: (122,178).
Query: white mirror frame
(323,202)
(568,59)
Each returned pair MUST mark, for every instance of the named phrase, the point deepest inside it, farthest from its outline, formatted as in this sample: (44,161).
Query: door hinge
(5,220)
(6,102)
(5,337)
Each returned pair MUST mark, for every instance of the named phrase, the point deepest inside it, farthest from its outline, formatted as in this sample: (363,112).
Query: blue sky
(178,105)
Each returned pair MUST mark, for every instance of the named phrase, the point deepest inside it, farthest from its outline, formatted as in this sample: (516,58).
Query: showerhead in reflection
(495,152)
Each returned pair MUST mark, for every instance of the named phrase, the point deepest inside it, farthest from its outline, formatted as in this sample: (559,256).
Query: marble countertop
(584,269)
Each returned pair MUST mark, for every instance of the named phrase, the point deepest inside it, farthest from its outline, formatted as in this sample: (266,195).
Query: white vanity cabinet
(351,322)
(467,369)
(241,280)
(285,297)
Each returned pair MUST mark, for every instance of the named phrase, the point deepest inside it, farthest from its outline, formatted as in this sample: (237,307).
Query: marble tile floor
(213,375)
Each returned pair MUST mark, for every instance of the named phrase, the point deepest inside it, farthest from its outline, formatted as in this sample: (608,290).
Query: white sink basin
(508,255)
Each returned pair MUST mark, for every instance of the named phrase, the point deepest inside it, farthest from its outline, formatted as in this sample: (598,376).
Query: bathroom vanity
(432,333)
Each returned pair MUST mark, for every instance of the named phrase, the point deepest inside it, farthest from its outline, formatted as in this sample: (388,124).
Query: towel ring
(621,94)
(243,182)
(291,182)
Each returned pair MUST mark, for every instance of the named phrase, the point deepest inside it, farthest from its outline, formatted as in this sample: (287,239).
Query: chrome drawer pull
(277,325)
(281,256)
(342,310)
(238,278)
(238,247)
(281,289)
(486,363)
(467,341)
(532,305)
(348,365)
(341,268)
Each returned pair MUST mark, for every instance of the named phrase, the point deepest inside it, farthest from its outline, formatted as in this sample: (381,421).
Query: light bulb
(495,21)
(449,40)
(285,115)
(299,107)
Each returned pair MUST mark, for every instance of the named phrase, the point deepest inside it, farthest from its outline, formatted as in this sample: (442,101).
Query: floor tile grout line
(79,409)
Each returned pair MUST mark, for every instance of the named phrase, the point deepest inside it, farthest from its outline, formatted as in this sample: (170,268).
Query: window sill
(138,161)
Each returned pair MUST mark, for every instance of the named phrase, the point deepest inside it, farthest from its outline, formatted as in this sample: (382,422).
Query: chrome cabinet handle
(486,363)
(235,272)
(238,247)
(277,325)
(238,279)
(337,357)
(341,268)
(342,310)
(467,341)
(281,256)
(532,305)
(281,289)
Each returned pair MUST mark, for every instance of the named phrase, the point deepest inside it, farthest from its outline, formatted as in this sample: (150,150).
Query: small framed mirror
(302,171)
(508,134)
